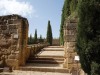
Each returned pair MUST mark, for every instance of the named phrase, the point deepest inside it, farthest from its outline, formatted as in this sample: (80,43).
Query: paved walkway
(49,51)
(17,72)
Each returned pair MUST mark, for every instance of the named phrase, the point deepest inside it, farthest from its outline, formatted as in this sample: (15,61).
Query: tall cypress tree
(35,36)
(88,36)
(49,33)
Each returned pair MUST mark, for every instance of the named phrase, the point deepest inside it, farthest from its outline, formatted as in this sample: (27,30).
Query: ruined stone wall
(13,40)
(69,44)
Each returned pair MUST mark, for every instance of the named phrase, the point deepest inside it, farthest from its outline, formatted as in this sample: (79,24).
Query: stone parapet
(33,49)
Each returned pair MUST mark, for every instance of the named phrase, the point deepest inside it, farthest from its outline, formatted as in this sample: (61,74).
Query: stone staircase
(49,59)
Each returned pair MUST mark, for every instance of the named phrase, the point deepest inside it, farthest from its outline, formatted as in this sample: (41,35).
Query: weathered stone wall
(55,42)
(13,40)
(69,44)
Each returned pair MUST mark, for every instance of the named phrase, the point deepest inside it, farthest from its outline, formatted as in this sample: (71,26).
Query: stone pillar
(23,35)
(69,42)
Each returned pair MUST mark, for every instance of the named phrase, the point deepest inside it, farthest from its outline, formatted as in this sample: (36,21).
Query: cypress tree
(88,36)
(68,8)
(30,39)
(35,36)
(49,34)
(40,39)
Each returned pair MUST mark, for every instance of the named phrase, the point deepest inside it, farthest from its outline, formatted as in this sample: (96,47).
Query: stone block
(70,60)
(4,27)
(70,50)
(10,21)
(70,32)
(71,26)
(13,26)
(70,38)
(16,36)
(70,44)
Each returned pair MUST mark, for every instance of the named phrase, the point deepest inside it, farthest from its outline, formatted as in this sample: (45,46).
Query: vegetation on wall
(68,8)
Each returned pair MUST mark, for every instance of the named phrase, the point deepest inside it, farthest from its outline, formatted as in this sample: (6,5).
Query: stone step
(45,61)
(52,49)
(45,58)
(49,59)
(48,56)
(55,47)
(44,68)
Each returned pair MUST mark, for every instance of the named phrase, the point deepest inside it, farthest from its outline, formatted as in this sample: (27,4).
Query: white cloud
(16,7)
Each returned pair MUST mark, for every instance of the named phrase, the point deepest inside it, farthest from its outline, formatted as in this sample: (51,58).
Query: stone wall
(55,42)
(33,49)
(13,40)
(69,44)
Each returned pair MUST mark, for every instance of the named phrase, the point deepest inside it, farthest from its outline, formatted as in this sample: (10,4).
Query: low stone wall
(33,49)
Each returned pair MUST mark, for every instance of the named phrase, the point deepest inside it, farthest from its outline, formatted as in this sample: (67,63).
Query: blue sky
(38,12)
